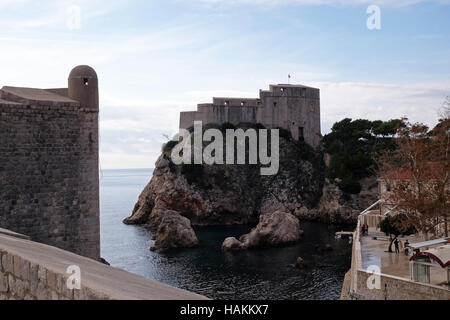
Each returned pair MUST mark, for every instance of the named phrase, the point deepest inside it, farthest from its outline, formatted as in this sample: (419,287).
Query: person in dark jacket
(397,249)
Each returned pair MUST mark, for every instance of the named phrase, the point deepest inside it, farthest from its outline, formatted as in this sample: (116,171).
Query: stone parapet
(34,271)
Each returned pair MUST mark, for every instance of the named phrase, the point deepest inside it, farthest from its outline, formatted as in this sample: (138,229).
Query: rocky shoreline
(181,196)
(274,229)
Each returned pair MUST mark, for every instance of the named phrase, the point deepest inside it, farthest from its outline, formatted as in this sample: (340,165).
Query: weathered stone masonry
(35,271)
(49,186)
(295,108)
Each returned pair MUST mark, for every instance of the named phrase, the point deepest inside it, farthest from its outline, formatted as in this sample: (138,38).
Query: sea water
(265,273)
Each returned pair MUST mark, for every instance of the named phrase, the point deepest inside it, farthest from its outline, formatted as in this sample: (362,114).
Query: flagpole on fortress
(289,79)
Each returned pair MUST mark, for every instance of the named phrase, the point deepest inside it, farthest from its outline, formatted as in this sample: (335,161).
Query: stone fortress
(292,107)
(49,182)
(49,199)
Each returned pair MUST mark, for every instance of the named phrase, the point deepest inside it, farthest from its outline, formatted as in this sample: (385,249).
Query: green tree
(352,145)
(394,226)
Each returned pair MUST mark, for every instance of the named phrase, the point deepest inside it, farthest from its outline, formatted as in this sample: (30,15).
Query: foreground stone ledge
(34,271)
(391,287)
(396,288)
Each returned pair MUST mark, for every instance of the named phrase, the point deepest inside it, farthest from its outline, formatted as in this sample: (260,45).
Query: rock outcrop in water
(239,194)
(274,229)
(232,194)
(174,231)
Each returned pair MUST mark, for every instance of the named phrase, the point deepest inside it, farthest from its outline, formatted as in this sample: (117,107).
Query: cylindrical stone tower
(83,86)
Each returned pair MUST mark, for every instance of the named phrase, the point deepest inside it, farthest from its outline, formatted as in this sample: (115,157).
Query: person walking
(407,247)
(397,249)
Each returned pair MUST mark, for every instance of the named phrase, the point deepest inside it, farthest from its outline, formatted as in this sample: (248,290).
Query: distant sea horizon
(266,273)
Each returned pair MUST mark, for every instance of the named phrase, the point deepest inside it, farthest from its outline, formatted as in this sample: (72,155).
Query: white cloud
(206,96)
(419,102)
(141,135)
(396,3)
(12,3)
(56,14)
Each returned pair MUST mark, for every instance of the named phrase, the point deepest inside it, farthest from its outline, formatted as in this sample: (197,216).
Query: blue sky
(157,58)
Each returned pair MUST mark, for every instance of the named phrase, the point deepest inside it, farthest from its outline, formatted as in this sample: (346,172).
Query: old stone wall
(34,271)
(395,288)
(22,280)
(49,173)
(294,108)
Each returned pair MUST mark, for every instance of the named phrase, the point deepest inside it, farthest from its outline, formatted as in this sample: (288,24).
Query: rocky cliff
(337,207)
(232,194)
(238,194)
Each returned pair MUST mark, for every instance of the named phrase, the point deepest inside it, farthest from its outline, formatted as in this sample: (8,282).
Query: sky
(157,58)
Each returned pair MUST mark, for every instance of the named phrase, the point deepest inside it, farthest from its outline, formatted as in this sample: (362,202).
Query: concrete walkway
(375,252)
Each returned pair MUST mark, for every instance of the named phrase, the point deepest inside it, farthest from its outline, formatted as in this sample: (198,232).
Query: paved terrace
(375,252)
(31,270)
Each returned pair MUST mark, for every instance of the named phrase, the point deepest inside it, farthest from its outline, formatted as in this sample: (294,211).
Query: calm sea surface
(254,274)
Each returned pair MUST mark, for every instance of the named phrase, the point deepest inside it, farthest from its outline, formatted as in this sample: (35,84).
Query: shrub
(286,134)
(168,146)
(350,185)
(193,173)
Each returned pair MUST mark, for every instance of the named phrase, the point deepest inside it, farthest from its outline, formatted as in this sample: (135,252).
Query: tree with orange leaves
(417,175)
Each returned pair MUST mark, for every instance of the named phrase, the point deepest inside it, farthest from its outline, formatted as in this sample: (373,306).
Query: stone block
(43,293)
(54,295)
(12,284)
(34,279)
(25,270)
(61,287)
(42,274)
(90,294)
(51,280)
(4,296)
(8,263)
(3,282)
(17,265)
(20,288)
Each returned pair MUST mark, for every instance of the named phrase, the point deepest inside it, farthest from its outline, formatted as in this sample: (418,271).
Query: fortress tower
(293,107)
(83,87)
(49,183)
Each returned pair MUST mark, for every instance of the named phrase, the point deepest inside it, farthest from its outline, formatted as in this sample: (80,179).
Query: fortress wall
(49,174)
(306,116)
(232,114)
(34,271)
(236,101)
(187,118)
(61,91)
(292,107)
(272,115)
(395,288)
(292,113)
